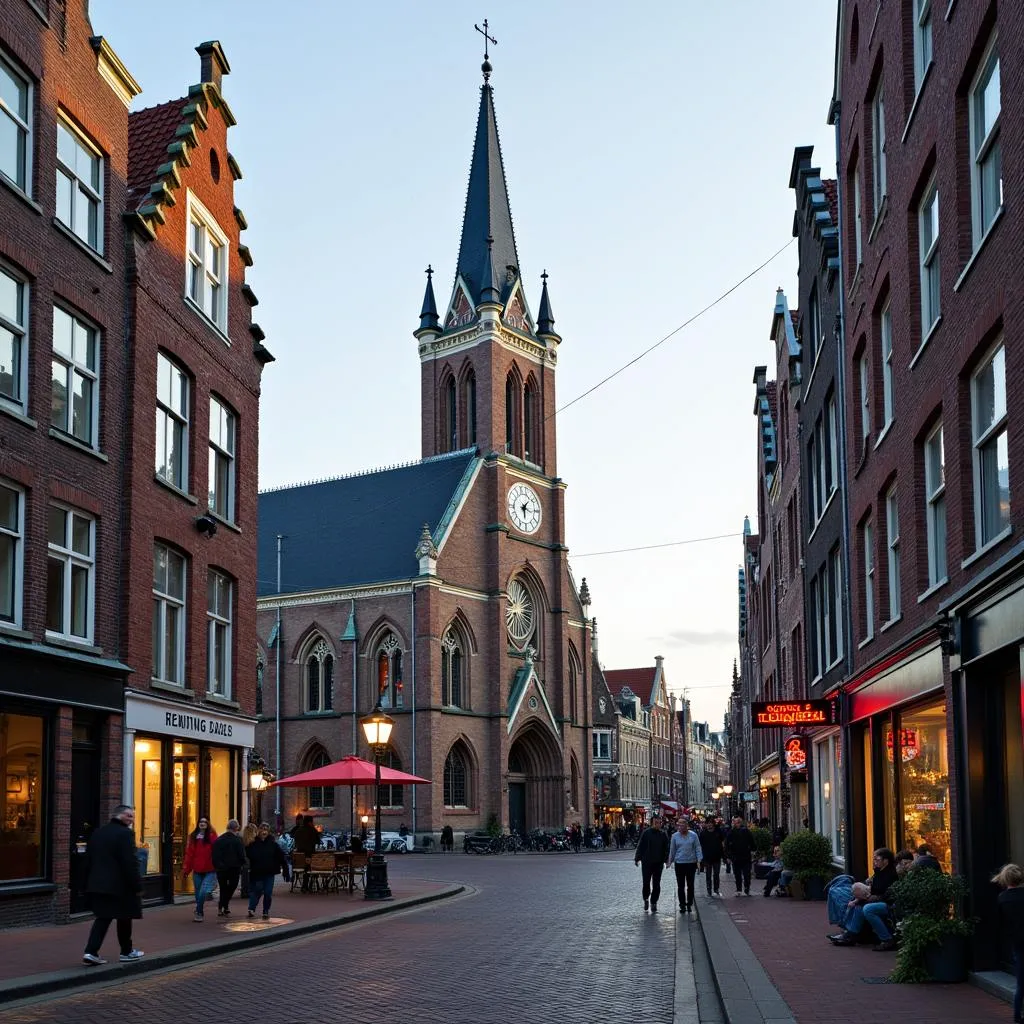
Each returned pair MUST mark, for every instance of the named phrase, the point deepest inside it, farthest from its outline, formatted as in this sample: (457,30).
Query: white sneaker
(92,959)
(135,954)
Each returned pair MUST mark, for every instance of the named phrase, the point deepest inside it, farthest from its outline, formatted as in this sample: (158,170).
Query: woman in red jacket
(199,862)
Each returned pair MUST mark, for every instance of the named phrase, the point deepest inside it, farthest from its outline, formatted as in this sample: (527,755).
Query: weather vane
(488,39)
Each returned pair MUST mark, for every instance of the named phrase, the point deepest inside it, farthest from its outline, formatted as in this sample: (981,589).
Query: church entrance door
(517,807)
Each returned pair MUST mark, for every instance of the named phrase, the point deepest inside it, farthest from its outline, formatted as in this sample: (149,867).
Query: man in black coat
(712,845)
(651,855)
(739,848)
(114,885)
(228,859)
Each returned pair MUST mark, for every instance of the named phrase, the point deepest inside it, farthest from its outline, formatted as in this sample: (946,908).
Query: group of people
(691,852)
(114,881)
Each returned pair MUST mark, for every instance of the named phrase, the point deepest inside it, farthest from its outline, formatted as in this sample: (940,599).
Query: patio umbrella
(352,771)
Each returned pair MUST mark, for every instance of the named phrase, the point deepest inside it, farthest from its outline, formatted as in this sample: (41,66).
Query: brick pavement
(538,938)
(823,983)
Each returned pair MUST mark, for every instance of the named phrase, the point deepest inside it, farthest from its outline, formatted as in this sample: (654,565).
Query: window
(991,453)
(456,778)
(168,615)
(79,185)
(15,126)
(222,460)
(172,410)
(986,151)
(389,672)
(865,398)
(574,677)
(602,745)
(13,341)
(12,552)
(531,441)
(451,426)
(520,616)
(869,581)
(935,505)
(928,221)
(319,796)
(261,668)
(469,392)
(835,568)
(878,142)
(452,670)
(391,796)
(828,776)
(814,481)
(320,678)
(922,40)
(816,638)
(26,777)
(218,639)
(885,325)
(70,573)
(892,534)
(74,395)
(513,437)
(857,217)
(206,264)
(814,323)
(830,447)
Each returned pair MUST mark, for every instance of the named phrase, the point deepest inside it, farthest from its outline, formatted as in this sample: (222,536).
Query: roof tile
(639,680)
(150,132)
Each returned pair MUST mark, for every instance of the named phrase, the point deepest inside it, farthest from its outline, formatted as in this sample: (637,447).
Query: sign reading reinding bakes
(769,714)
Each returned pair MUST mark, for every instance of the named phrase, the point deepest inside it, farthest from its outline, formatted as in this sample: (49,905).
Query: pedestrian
(685,854)
(114,886)
(266,862)
(447,839)
(652,856)
(228,860)
(1011,912)
(712,846)
(199,863)
(307,839)
(739,848)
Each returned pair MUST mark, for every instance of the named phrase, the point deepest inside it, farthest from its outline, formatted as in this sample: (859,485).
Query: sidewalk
(816,980)
(48,958)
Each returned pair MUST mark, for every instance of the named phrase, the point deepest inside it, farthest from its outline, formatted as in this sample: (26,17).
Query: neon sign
(768,714)
(796,753)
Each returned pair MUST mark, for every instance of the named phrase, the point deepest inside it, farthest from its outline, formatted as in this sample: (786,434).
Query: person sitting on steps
(869,905)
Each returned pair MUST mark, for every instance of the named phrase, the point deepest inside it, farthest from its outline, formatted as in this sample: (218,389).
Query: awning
(670,805)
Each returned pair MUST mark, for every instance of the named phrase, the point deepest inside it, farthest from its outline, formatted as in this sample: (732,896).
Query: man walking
(228,859)
(739,848)
(652,855)
(684,852)
(114,885)
(711,845)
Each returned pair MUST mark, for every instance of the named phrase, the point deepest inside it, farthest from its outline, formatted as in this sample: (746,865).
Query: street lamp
(727,790)
(259,779)
(377,729)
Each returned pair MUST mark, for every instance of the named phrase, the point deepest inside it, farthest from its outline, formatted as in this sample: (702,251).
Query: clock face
(524,508)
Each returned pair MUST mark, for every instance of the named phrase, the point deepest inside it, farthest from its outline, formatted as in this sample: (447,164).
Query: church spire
(428,314)
(545,318)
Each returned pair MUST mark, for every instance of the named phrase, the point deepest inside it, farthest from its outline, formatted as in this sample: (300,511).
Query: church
(440,589)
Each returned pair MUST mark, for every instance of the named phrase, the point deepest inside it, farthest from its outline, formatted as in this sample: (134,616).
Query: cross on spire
(488,39)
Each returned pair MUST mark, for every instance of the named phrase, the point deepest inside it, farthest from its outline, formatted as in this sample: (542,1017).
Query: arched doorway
(536,783)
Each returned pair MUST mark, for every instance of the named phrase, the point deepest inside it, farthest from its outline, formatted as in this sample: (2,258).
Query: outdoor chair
(300,865)
(322,872)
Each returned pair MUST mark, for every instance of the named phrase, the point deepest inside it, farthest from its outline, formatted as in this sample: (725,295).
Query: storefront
(769,786)
(829,791)
(181,761)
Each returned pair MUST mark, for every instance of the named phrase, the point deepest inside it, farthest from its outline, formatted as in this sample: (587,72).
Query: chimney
(213,64)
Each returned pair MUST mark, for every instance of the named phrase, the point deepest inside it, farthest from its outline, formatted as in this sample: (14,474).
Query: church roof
(360,529)
(639,680)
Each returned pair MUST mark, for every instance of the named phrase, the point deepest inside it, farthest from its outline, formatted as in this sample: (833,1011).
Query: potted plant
(762,840)
(932,930)
(808,855)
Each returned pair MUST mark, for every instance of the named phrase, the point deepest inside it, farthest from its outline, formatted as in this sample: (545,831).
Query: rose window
(519,614)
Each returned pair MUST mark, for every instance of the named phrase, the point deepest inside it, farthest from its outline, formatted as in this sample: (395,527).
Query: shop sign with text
(771,714)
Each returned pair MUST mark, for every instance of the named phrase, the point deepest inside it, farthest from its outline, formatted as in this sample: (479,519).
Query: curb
(45,984)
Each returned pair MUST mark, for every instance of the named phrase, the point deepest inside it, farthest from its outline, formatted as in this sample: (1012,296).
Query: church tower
(488,367)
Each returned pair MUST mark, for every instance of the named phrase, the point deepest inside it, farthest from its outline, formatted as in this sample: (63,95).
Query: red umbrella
(352,771)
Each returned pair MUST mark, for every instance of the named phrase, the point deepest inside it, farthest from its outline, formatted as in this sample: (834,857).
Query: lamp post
(259,779)
(727,791)
(377,729)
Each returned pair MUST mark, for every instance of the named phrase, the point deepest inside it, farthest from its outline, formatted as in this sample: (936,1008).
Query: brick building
(927,103)
(441,588)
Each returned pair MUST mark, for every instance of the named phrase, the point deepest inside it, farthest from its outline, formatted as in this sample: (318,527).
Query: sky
(647,150)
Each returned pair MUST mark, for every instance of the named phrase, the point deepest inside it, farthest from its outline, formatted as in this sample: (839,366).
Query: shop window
(222,786)
(21,755)
(924,780)
(148,777)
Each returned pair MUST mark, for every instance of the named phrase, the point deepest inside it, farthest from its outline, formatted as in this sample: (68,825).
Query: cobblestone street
(541,938)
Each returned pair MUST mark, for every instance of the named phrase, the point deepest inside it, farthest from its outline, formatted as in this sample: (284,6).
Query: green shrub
(762,838)
(807,854)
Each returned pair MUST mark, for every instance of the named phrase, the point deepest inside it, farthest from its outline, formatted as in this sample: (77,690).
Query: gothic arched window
(531,431)
(513,412)
(574,682)
(469,409)
(260,669)
(320,678)
(574,785)
(453,670)
(451,425)
(318,796)
(457,778)
(389,672)
(391,796)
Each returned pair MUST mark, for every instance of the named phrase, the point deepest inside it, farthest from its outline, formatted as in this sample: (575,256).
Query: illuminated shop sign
(909,748)
(796,753)
(768,714)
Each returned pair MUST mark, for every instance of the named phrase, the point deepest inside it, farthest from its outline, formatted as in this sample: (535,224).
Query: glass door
(184,806)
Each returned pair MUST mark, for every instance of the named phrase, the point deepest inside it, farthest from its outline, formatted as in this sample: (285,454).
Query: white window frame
(930,264)
(73,368)
(218,633)
(84,195)
(223,444)
(64,553)
(832,478)
(922,41)
(868,535)
(175,418)
(812,467)
(885,331)
(814,322)
(22,125)
(935,507)
(602,738)
(817,647)
(986,152)
(892,536)
(15,536)
(865,397)
(985,436)
(835,568)
(165,604)
(202,276)
(19,329)
(858,216)
(878,168)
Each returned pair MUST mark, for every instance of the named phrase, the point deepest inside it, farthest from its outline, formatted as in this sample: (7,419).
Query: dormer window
(206,265)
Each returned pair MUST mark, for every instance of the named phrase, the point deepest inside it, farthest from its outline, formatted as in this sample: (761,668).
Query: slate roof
(150,132)
(358,529)
(639,680)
